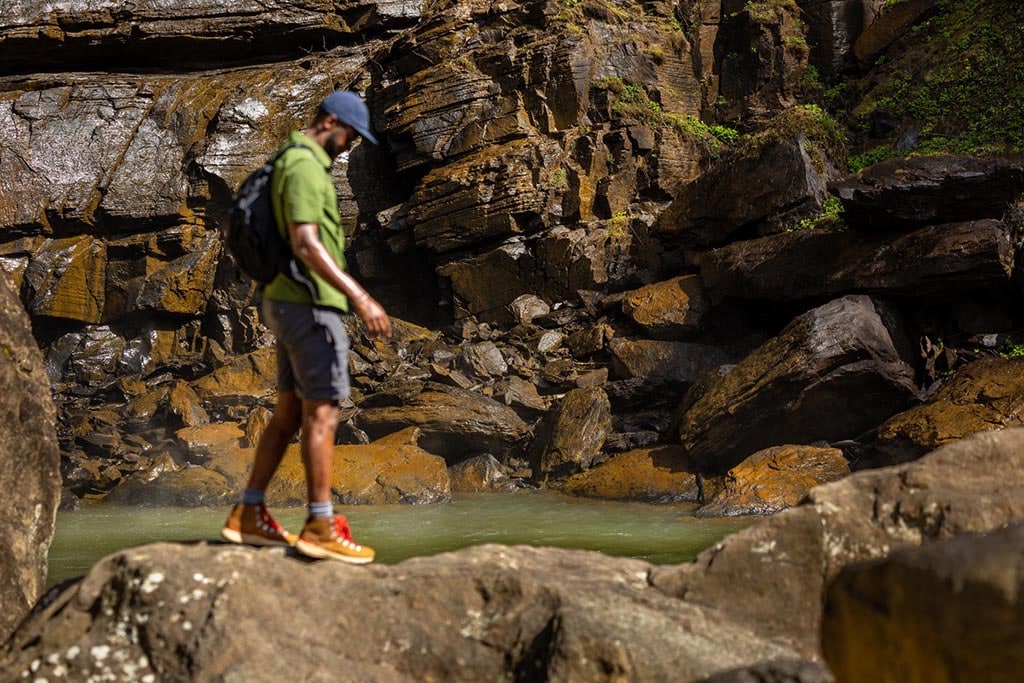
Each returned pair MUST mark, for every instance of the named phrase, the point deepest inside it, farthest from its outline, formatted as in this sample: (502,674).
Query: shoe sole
(316,552)
(251,539)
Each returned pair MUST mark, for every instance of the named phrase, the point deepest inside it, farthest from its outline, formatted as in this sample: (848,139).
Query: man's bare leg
(319,424)
(284,423)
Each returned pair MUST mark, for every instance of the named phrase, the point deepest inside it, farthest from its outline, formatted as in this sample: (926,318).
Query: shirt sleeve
(300,195)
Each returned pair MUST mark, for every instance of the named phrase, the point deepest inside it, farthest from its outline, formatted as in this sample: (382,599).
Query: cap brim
(366,134)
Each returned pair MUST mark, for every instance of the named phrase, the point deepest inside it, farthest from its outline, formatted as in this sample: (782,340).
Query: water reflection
(661,534)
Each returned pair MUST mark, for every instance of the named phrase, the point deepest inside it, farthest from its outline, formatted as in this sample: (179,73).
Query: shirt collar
(301,138)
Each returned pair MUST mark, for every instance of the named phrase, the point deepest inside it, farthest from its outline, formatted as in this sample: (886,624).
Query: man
(303,309)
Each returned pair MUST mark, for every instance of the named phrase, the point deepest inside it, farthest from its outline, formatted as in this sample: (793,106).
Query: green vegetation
(960,81)
(830,217)
(767,10)
(632,101)
(1011,349)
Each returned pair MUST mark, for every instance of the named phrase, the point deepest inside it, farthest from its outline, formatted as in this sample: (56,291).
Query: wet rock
(834,27)
(899,193)
(663,361)
(65,279)
(894,21)
(29,463)
(799,387)
(456,423)
(793,159)
(773,575)
(522,396)
(211,438)
(668,310)
(942,258)
(944,611)
(191,486)
(246,376)
(775,479)
(185,404)
(982,396)
(493,612)
(480,473)
(651,475)
(574,431)
(78,32)
(484,360)
(255,425)
(527,307)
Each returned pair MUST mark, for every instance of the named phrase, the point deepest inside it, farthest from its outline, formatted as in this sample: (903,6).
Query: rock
(480,473)
(37,38)
(527,307)
(456,423)
(246,376)
(255,425)
(982,396)
(185,404)
(574,431)
(799,386)
(791,158)
(651,475)
(895,21)
(945,611)
(663,361)
(65,279)
(947,258)
(484,613)
(899,193)
(29,463)
(483,360)
(668,310)
(522,396)
(192,486)
(776,671)
(773,576)
(835,27)
(775,479)
(209,439)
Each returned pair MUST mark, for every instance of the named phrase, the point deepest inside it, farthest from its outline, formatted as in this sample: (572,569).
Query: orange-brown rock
(653,475)
(187,487)
(381,473)
(211,438)
(255,425)
(574,431)
(775,479)
(479,474)
(66,279)
(984,395)
(669,309)
(185,404)
(253,374)
(664,361)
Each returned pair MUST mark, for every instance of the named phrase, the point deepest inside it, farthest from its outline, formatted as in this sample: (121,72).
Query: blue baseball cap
(349,108)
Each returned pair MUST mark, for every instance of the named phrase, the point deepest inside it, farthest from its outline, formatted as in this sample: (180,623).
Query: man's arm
(307,247)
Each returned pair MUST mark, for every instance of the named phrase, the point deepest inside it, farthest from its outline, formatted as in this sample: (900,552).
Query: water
(660,534)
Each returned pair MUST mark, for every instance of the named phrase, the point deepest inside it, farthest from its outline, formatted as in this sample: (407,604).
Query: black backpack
(252,235)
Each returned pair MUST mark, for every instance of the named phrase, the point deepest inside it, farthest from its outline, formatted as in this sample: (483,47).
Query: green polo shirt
(302,191)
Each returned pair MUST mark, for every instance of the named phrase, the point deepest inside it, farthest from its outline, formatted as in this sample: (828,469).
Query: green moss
(960,81)
(830,217)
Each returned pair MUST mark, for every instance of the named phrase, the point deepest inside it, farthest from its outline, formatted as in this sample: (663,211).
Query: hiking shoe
(253,525)
(331,539)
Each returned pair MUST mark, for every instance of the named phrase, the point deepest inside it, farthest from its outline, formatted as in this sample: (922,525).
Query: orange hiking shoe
(253,525)
(331,539)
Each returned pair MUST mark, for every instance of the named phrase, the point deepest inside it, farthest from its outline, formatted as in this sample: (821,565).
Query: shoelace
(341,528)
(270,521)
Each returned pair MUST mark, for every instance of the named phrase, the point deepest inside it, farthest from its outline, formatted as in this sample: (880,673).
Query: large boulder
(184,612)
(456,423)
(921,190)
(774,479)
(812,263)
(794,158)
(952,610)
(652,475)
(833,373)
(982,396)
(773,576)
(29,463)
(671,309)
(574,431)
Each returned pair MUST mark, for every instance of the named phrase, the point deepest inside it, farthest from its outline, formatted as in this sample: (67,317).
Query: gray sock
(251,497)
(321,509)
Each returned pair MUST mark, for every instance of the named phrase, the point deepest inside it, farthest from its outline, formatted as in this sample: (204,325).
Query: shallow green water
(656,533)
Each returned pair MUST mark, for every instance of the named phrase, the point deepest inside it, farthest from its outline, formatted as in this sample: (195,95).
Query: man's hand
(373,316)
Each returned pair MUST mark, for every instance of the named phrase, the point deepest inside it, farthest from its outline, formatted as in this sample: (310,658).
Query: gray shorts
(312,350)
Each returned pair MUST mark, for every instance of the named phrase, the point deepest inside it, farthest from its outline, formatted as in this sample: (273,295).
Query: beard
(332,148)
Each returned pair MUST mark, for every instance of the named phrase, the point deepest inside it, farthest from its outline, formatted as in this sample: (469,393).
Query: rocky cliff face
(591,212)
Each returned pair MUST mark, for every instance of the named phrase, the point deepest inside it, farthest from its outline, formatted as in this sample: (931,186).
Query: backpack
(252,234)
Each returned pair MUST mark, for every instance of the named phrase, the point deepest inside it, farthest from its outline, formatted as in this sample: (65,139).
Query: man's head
(343,116)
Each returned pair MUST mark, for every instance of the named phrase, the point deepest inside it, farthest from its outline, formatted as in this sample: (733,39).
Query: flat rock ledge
(749,607)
